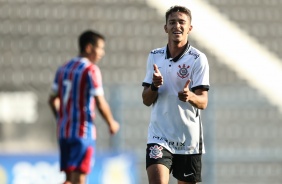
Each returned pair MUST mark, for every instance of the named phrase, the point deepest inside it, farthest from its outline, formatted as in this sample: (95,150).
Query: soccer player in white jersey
(176,85)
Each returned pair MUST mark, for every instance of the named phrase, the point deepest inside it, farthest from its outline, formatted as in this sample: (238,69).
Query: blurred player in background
(78,88)
(176,85)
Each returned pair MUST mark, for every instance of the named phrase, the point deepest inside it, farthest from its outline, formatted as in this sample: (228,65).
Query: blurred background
(242,124)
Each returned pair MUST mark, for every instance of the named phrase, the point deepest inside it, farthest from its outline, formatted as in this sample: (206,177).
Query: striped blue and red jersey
(76,83)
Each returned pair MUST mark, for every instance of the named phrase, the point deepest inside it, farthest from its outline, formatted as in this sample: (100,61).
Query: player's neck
(87,56)
(175,48)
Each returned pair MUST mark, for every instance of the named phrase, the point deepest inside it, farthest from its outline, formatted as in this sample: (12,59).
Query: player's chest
(180,70)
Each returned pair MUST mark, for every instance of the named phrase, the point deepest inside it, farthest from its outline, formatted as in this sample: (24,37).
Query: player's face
(97,51)
(178,27)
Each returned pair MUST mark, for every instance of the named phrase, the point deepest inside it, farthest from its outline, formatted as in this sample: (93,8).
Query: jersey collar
(180,55)
(84,59)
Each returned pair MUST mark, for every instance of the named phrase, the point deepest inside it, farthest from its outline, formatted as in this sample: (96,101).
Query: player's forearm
(198,101)
(54,111)
(53,106)
(105,112)
(149,96)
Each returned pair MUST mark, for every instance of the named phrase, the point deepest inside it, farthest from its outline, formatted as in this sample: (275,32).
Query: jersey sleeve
(95,80)
(200,73)
(149,71)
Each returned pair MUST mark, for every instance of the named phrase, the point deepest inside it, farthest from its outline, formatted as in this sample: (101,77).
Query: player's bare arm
(150,94)
(106,113)
(53,100)
(198,99)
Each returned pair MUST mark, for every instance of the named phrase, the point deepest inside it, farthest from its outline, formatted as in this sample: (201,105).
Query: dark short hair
(178,8)
(87,37)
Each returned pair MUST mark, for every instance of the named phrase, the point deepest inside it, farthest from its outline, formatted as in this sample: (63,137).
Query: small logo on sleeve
(196,55)
(157,52)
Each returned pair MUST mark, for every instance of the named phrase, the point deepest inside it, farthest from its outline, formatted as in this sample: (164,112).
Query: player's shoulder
(87,65)
(93,68)
(196,53)
(158,51)
(68,63)
(63,67)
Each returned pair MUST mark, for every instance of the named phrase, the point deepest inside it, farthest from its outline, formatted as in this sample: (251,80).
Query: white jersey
(174,124)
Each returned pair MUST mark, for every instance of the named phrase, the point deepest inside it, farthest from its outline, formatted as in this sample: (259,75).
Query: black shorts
(183,167)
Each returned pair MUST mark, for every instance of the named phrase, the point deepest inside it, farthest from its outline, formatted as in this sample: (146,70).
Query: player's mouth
(177,32)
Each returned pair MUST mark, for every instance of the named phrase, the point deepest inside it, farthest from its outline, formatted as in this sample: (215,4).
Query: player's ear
(190,28)
(165,28)
(88,48)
